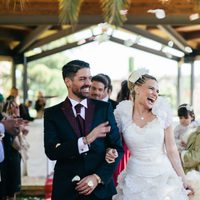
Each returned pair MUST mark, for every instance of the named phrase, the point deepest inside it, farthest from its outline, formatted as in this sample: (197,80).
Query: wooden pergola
(38,24)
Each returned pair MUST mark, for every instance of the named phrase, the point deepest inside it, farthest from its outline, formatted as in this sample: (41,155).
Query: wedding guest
(14,93)
(24,110)
(108,91)
(7,126)
(191,155)
(11,166)
(1,102)
(98,87)
(186,122)
(40,105)
(191,159)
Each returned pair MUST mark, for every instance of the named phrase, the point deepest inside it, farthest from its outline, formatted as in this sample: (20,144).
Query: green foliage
(69,11)
(46,75)
(197,4)
(13,4)
(113,11)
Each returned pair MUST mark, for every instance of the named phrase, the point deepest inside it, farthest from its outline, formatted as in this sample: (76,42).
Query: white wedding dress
(149,174)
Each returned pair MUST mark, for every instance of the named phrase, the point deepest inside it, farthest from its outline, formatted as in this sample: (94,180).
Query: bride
(154,169)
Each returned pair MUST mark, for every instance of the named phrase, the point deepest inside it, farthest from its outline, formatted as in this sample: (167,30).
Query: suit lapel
(68,112)
(89,112)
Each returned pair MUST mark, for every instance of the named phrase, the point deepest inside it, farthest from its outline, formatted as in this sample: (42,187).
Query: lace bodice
(123,113)
(146,144)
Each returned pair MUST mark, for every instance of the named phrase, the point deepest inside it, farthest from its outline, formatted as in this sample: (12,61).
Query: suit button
(85,154)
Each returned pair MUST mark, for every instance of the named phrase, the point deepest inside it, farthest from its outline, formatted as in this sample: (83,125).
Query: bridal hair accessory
(137,74)
(187,106)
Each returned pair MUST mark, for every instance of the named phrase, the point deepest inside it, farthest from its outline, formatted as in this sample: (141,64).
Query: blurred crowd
(14,120)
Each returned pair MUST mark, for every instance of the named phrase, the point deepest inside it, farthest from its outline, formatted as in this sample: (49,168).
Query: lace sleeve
(123,114)
(163,111)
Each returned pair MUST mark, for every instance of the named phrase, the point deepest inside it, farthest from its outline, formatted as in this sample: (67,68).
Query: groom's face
(79,85)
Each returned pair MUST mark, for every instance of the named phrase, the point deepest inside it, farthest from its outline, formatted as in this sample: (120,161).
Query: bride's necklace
(141,117)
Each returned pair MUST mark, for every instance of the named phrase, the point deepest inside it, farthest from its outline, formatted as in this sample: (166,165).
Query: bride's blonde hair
(140,81)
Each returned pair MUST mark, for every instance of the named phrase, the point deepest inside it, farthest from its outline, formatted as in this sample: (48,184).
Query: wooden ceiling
(38,23)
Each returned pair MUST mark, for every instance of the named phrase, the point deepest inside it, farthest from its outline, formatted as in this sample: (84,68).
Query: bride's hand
(111,155)
(189,189)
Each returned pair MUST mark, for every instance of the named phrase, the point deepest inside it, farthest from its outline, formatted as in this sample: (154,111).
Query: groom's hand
(98,132)
(86,185)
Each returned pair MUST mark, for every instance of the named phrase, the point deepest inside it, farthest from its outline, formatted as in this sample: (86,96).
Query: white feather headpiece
(134,76)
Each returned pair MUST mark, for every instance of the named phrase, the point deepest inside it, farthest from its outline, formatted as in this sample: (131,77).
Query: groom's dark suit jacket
(60,127)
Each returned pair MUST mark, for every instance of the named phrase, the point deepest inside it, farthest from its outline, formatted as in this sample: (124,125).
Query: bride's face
(148,93)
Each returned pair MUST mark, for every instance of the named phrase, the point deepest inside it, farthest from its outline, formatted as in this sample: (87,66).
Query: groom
(81,172)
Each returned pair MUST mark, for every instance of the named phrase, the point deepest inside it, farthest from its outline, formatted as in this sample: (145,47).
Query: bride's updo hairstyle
(138,78)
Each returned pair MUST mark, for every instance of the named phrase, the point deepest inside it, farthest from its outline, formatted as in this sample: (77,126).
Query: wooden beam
(180,42)
(148,35)
(31,38)
(119,41)
(58,35)
(55,50)
(95,19)
(148,50)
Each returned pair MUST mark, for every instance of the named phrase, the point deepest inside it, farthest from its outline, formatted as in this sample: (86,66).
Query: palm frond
(197,4)
(113,11)
(14,3)
(69,11)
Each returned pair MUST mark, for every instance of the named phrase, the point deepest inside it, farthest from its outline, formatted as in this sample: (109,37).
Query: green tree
(45,75)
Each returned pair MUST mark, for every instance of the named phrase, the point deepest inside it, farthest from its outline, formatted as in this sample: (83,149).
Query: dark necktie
(80,120)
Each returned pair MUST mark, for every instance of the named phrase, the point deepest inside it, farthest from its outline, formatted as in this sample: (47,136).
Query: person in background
(77,133)
(14,93)
(154,170)
(124,92)
(13,147)
(24,110)
(1,102)
(191,154)
(108,91)
(186,123)
(98,87)
(40,105)
(190,157)
(2,130)
(7,126)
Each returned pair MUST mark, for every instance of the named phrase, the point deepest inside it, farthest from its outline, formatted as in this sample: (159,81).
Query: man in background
(108,91)
(24,110)
(98,87)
